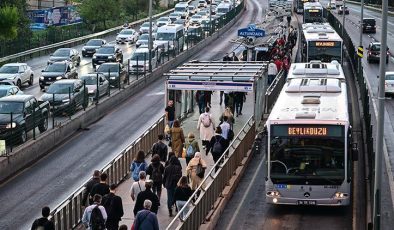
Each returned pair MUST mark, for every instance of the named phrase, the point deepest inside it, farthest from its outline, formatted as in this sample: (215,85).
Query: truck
(20,114)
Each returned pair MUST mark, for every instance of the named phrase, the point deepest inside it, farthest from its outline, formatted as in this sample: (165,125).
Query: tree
(130,8)
(95,12)
(9,19)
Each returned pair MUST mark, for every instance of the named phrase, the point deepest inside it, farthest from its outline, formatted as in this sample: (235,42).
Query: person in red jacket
(279,64)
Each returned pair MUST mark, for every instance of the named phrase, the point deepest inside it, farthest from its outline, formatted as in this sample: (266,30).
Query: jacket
(223,142)
(172,173)
(100,188)
(206,133)
(182,193)
(194,144)
(152,166)
(160,149)
(48,225)
(177,140)
(113,206)
(146,220)
(191,171)
(89,186)
(146,195)
(272,69)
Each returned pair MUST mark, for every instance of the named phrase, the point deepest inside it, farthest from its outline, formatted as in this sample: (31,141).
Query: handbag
(167,129)
(183,153)
(200,171)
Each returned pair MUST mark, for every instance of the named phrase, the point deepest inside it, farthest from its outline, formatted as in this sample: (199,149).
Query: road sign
(360,51)
(251,31)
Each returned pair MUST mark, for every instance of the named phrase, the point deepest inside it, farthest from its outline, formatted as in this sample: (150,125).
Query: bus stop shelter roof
(236,71)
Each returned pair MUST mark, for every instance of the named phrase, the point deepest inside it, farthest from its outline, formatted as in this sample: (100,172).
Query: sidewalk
(188,125)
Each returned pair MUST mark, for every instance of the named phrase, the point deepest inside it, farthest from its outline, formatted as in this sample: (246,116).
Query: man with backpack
(160,148)
(206,127)
(94,216)
(114,208)
(217,145)
(155,171)
(43,223)
(191,147)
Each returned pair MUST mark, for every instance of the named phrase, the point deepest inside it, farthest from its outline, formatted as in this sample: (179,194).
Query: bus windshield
(324,51)
(313,15)
(309,159)
(165,36)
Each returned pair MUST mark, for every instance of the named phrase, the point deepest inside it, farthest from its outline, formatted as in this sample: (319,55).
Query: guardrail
(68,213)
(210,189)
(273,91)
(23,56)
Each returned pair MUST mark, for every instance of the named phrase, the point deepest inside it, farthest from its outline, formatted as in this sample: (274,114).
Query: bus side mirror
(354,152)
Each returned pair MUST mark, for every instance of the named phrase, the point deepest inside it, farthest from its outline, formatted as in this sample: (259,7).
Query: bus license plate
(306,202)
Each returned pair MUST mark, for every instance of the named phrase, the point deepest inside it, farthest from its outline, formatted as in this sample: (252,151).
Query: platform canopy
(216,76)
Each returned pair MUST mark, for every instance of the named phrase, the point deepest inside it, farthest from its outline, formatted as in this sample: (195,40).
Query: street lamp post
(150,36)
(361,35)
(380,127)
(343,27)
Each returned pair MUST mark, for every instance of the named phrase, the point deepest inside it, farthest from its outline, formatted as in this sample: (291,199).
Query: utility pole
(343,27)
(380,130)
(150,37)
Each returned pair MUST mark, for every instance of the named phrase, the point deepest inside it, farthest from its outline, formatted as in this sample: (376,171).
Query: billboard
(56,16)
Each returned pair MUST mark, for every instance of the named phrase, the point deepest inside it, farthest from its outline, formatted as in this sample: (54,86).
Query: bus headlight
(340,195)
(273,193)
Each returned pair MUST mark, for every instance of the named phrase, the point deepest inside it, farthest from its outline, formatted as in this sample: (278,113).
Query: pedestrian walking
(138,186)
(272,72)
(146,195)
(43,223)
(208,96)
(178,138)
(182,194)
(191,147)
(200,98)
(94,216)
(226,57)
(160,148)
(114,208)
(191,170)
(138,165)
(234,57)
(227,132)
(89,185)
(146,219)
(279,64)
(239,98)
(170,113)
(206,127)
(221,97)
(101,188)
(172,174)
(218,145)
(155,171)
(230,116)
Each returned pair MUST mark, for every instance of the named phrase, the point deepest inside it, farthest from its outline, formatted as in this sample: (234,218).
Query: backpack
(157,176)
(107,202)
(206,120)
(137,169)
(159,149)
(190,150)
(230,135)
(97,221)
(217,147)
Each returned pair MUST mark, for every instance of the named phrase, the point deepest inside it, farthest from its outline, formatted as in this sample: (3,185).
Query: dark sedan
(89,49)
(55,72)
(114,72)
(107,53)
(65,54)
(374,52)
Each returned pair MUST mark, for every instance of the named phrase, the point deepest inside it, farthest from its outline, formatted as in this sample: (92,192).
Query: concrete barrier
(33,150)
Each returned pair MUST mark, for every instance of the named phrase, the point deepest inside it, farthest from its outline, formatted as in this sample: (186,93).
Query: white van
(183,8)
(139,60)
(170,38)
(223,8)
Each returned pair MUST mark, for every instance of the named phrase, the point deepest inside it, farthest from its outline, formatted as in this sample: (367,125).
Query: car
(144,28)
(192,10)
(66,96)
(65,54)
(56,72)
(204,14)
(341,9)
(17,74)
(389,83)
(8,90)
(202,4)
(175,16)
(369,25)
(195,19)
(94,81)
(374,52)
(107,53)
(143,40)
(27,114)
(139,60)
(127,35)
(183,9)
(163,21)
(91,46)
(114,72)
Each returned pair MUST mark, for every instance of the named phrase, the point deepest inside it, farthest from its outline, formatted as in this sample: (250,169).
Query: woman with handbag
(177,139)
(195,170)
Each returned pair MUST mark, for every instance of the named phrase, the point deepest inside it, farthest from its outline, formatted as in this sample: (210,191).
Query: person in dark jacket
(114,207)
(182,194)
(101,188)
(95,180)
(145,219)
(214,148)
(155,171)
(43,221)
(172,173)
(239,98)
(146,195)
(160,148)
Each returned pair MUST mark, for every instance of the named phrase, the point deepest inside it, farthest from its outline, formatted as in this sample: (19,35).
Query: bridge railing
(68,213)
(203,199)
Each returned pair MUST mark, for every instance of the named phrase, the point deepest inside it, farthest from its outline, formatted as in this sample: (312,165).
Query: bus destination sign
(325,44)
(307,130)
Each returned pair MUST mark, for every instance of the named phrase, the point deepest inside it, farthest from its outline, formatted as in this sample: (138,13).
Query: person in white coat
(272,72)
(206,126)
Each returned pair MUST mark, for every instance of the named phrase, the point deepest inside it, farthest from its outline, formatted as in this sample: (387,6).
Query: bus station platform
(188,124)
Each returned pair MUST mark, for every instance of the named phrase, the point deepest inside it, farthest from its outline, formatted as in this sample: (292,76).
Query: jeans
(270,79)
(156,189)
(221,97)
(170,197)
(201,107)
(179,205)
(238,107)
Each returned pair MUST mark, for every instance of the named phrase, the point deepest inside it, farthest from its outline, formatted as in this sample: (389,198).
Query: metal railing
(68,213)
(205,196)
(273,91)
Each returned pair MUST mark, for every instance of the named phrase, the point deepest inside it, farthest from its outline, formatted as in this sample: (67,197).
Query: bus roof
(316,69)
(313,5)
(170,28)
(319,32)
(311,100)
